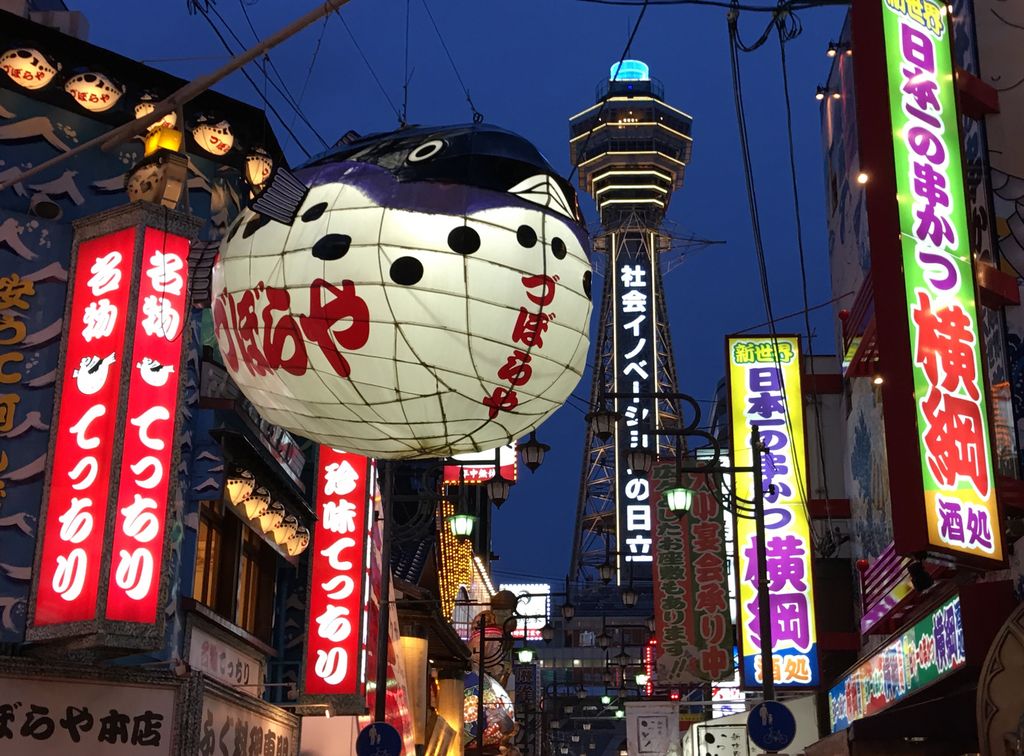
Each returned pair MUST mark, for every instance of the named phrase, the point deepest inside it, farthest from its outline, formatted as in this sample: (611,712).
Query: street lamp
(532,451)
(462,525)
(622,658)
(525,655)
(606,571)
(679,500)
(642,678)
(498,488)
(605,700)
(547,633)
(603,640)
(629,597)
(619,713)
(581,693)
(568,610)
(640,460)
(602,422)
(652,623)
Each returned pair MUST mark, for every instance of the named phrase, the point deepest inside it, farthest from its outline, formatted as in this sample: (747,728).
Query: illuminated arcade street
(551,378)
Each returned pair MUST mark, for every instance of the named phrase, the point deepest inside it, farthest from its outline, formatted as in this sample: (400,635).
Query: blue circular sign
(379,739)
(771,726)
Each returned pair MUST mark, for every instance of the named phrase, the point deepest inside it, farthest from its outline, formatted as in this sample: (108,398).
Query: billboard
(764,387)
(954,450)
(635,373)
(339,568)
(534,608)
(478,467)
(691,583)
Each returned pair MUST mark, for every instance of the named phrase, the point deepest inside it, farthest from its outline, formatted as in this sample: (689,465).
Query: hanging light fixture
(213,135)
(640,460)
(284,531)
(568,610)
(606,571)
(532,451)
(146,105)
(586,726)
(256,503)
(28,67)
(258,166)
(272,517)
(525,655)
(629,596)
(679,500)
(547,633)
(603,640)
(575,738)
(652,623)
(239,485)
(619,713)
(642,678)
(498,488)
(94,91)
(605,700)
(622,658)
(609,676)
(461,525)
(298,542)
(602,422)
(581,693)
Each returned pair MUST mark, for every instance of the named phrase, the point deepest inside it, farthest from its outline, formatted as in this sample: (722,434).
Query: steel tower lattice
(631,149)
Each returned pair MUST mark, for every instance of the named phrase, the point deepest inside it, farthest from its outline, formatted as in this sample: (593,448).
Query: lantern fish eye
(426,151)
(24,54)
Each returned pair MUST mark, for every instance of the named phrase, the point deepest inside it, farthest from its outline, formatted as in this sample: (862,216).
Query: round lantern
(146,105)
(258,165)
(298,542)
(414,294)
(94,91)
(213,136)
(28,68)
(272,518)
(284,532)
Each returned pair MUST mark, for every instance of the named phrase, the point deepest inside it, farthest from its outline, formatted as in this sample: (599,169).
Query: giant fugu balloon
(411,294)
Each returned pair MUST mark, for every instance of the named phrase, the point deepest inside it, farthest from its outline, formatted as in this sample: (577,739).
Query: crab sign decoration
(411,294)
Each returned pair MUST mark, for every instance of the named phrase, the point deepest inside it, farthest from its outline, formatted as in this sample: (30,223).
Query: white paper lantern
(272,518)
(427,293)
(298,542)
(146,105)
(258,165)
(94,91)
(28,68)
(214,136)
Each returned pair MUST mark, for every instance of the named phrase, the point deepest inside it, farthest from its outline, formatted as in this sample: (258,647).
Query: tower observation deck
(631,149)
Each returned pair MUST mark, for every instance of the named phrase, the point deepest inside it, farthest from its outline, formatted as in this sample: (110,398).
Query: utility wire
(355,43)
(477,115)
(790,6)
(404,118)
(784,37)
(249,78)
(604,101)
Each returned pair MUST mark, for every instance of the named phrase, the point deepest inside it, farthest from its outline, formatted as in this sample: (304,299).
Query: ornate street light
(603,640)
(642,678)
(575,738)
(640,460)
(679,500)
(581,693)
(568,610)
(532,451)
(525,655)
(605,700)
(462,525)
(547,633)
(652,623)
(606,571)
(602,422)
(609,676)
(629,597)
(498,488)
(622,658)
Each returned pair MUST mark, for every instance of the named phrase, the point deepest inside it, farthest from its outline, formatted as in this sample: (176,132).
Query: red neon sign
(336,598)
(146,460)
(69,567)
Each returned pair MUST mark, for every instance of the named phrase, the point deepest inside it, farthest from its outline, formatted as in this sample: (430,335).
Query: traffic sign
(771,725)
(379,739)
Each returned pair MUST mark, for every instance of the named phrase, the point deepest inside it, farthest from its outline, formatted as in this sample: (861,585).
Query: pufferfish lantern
(411,294)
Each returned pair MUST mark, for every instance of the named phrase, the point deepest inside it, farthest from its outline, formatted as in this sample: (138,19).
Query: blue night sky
(529,65)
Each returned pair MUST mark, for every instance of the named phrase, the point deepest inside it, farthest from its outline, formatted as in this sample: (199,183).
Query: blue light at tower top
(630,70)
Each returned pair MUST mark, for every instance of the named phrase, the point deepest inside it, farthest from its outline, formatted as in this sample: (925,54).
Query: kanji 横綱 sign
(146,460)
(955,451)
(764,386)
(337,596)
(67,584)
(691,583)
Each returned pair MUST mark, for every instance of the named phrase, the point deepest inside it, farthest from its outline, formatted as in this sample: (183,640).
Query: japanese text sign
(959,495)
(478,467)
(691,583)
(924,653)
(230,727)
(635,331)
(67,585)
(337,604)
(146,460)
(764,385)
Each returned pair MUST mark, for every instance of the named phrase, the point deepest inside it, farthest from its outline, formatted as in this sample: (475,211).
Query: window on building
(235,571)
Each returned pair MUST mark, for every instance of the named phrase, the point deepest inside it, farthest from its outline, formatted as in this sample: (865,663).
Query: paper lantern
(272,517)
(146,105)
(408,295)
(213,136)
(28,68)
(298,542)
(94,91)
(257,503)
(239,486)
(284,531)
(258,166)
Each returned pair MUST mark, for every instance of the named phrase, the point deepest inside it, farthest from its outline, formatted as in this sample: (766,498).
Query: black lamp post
(532,451)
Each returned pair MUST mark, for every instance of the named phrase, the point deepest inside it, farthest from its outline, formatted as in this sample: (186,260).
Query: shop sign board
(765,390)
(230,727)
(58,717)
(339,583)
(224,662)
(926,652)
(691,583)
(950,505)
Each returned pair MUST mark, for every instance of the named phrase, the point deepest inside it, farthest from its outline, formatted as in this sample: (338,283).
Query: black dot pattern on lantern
(526,236)
(406,271)
(258,221)
(558,248)
(586,284)
(464,240)
(332,246)
(314,212)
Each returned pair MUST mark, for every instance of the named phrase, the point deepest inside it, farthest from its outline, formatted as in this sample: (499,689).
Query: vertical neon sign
(764,387)
(951,409)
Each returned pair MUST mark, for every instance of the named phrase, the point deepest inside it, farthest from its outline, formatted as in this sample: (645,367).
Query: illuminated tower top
(631,147)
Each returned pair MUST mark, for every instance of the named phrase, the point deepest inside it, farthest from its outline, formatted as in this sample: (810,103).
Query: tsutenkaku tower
(631,149)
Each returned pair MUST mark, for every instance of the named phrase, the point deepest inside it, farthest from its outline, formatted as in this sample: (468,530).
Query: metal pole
(763,601)
(384,614)
(481,715)
(188,92)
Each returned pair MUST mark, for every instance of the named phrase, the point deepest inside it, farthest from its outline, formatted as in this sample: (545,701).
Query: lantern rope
(373,73)
(478,117)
